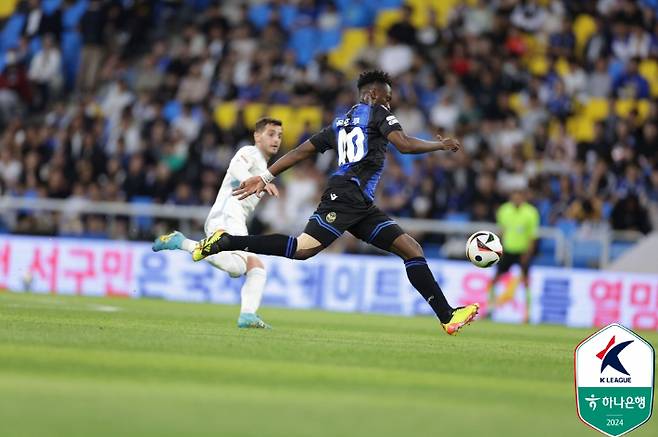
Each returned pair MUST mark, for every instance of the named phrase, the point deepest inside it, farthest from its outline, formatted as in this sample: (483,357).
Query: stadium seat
(624,106)
(70,46)
(457,217)
(252,112)
(304,42)
(259,14)
(72,15)
(385,19)
(142,223)
(171,110)
(580,128)
(596,109)
(516,103)
(49,6)
(354,40)
(7,8)
(226,115)
(585,253)
(11,32)
(617,248)
(329,39)
(544,260)
(649,69)
(583,27)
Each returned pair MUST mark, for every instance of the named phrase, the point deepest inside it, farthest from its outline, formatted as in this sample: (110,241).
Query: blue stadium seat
(143,223)
(12,32)
(71,46)
(357,14)
(617,248)
(71,16)
(568,227)
(49,6)
(543,259)
(171,110)
(35,45)
(547,246)
(457,217)
(303,42)
(259,14)
(586,253)
(329,39)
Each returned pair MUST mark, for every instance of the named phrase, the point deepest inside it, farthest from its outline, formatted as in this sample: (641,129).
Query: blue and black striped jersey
(360,140)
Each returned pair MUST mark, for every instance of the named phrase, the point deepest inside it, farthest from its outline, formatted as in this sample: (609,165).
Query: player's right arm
(390,128)
(408,144)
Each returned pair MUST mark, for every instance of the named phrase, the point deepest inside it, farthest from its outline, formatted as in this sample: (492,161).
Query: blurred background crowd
(145,101)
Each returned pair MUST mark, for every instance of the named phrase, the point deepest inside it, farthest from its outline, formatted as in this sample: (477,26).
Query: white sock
(252,290)
(188,245)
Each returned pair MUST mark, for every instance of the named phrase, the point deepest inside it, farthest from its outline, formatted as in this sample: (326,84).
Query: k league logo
(614,376)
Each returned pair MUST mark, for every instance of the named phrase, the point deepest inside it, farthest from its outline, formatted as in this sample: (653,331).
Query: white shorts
(233,226)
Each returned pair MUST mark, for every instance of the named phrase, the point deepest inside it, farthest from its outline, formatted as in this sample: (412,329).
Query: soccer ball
(484,249)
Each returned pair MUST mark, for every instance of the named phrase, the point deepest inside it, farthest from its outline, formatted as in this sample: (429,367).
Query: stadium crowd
(125,112)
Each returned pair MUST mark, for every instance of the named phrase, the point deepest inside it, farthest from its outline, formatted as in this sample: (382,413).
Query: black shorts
(343,207)
(508,260)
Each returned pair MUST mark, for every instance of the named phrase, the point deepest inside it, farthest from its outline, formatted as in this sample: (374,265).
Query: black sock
(275,244)
(421,278)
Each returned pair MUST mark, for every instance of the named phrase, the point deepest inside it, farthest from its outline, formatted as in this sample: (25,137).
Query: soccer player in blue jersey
(360,137)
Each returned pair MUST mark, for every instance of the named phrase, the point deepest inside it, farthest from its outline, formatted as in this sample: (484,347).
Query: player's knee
(407,247)
(303,254)
(253,262)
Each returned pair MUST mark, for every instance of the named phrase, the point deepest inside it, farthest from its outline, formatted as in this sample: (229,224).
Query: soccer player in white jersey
(231,214)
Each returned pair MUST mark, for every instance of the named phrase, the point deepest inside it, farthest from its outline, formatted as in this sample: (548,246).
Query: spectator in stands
(45,72)
(92,31)
(631,84)
(38,23)
(629,215)
(404,31)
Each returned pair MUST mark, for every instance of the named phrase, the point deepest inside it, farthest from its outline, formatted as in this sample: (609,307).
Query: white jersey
(228,212)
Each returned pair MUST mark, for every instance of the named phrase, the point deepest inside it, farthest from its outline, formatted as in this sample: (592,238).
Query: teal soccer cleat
(168,242)
(251,320)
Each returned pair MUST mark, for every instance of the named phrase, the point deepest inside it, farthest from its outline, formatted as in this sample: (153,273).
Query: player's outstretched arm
(257,184)
(408,144)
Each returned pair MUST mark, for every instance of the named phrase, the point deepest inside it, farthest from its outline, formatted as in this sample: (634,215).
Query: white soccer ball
(484,249)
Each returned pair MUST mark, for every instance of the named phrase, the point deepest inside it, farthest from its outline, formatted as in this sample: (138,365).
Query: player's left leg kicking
(236,264)
(370,225)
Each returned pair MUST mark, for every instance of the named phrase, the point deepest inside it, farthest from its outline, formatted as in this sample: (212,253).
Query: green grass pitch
(72,366)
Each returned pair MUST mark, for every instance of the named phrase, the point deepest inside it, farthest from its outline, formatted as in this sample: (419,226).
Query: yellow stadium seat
(516,103)
(624,106)
(226,114)
(350,46)
(580,128)
(252,112)
(649,69)
(596,109)
(7,7)
(562,66)
(538,65)
(442,8)
(583,27)
(385,19)
(311,115)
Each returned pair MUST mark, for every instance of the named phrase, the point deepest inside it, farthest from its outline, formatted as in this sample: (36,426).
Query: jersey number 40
(351,146)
